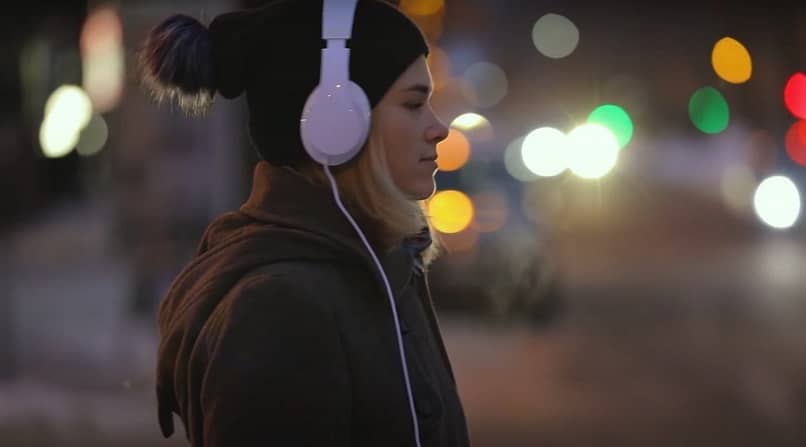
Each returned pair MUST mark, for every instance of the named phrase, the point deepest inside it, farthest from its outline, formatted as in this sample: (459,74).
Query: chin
(421,190)
(425,191)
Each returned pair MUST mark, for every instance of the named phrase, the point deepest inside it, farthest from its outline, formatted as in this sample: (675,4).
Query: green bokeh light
(616,119)
(709,111)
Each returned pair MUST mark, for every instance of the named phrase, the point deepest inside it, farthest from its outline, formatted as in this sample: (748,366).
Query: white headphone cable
(335,190)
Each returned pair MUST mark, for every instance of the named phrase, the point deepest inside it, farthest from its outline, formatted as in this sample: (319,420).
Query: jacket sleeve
(277,374)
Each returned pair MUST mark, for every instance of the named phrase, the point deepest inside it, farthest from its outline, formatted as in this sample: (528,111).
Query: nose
(437,132)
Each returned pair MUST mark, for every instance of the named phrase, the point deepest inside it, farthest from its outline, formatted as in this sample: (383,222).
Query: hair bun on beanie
(177,64)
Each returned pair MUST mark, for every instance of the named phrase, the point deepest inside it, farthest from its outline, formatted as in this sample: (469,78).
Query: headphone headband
(337,19)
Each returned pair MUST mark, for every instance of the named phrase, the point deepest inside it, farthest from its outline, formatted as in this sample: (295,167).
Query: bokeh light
(491,211)
(428,15)
(69,103)
(616,119)
(709,111)
(777,202)
(103,57)
(57,138)
(476,127)
(93,138)
(453,152)
(488,84)
(796,142)
(513,161)
(731,61)
(592,151)
(555,36)
(468,121)
(67,111)
(421,7)
(450,211)
(544,151)
(795,95)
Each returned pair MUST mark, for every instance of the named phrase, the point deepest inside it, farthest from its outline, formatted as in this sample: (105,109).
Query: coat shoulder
(265,299)
(315,282)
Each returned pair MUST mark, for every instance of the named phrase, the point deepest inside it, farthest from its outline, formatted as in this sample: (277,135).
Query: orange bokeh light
(453,152)
(421,7)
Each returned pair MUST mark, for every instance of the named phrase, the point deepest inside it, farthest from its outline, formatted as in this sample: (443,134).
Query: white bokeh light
(69,103)
(777,202)
(469,121)
(592,151)
(68,110)
(555,36)
(489,84)
(544,151)
(513,161)
(93,138)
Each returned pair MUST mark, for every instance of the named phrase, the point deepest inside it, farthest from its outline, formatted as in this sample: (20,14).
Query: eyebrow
(422,88)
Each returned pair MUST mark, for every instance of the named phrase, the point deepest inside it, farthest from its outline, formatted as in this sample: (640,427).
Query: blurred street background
(620,199)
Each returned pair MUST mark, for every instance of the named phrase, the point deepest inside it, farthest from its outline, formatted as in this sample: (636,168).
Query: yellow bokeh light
(450,211)
(453,152)
(731,61)
(592,151)
(421,7)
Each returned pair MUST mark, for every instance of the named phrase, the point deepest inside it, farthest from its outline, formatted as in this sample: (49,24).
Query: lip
(432,158)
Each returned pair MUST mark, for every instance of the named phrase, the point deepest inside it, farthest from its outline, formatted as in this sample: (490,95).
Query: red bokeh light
(795,95)
(796,142)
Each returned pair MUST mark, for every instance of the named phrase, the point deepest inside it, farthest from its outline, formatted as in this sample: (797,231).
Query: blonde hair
(367,183)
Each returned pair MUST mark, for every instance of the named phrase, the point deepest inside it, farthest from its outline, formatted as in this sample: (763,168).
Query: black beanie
(273,54)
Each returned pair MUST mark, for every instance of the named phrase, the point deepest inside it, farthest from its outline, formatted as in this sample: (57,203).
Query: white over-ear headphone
(336,117)
(334,126)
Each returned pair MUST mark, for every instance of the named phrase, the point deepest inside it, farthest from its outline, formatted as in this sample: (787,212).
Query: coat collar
(281,196)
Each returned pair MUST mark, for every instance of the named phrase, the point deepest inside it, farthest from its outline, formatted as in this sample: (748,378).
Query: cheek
(407,171)
(403,152)
(403,160)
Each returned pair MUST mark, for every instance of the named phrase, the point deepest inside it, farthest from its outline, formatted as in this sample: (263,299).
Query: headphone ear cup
(335,123)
